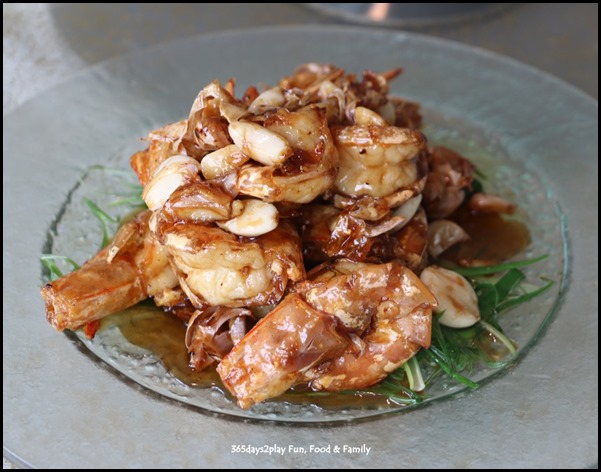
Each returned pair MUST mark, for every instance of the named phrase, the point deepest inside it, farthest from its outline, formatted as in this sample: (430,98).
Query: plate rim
(481,51)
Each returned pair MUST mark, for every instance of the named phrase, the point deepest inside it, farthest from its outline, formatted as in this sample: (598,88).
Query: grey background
(45,43)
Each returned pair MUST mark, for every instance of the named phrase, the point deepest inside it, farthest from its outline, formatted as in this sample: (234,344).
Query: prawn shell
(274,354)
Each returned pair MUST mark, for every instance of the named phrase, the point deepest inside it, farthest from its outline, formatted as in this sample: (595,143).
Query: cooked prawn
(274,355)
(216,267)
(376,160)
(388,306)
(131,269)
(305,337)
(371,208)
(303,176)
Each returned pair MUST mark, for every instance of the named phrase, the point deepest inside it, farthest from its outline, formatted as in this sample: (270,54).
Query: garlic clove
(365,116)
(223,161)
(256,218)
(457,300)
(259,143)
(271,98)
(442,234)
(168,177)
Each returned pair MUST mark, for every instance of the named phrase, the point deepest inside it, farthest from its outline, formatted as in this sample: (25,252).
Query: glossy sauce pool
(493,238)
(163,334)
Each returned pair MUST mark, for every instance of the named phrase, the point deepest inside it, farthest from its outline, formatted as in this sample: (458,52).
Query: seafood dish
(297,232)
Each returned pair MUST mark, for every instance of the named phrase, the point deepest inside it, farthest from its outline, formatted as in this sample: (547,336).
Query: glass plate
(524,121)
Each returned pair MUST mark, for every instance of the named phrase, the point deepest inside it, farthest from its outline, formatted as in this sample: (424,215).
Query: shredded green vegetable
(131,197)
(49,262)
(104,219)
(454,352)
(414,375)
(395,388)
(495,269)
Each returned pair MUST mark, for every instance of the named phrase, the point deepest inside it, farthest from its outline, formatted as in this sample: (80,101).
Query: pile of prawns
(291,231)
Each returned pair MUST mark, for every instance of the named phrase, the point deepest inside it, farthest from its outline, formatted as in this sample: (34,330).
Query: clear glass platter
(519,124)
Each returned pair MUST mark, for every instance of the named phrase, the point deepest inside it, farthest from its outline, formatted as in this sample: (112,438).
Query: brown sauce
(493,238)
(163,334)
(494,349)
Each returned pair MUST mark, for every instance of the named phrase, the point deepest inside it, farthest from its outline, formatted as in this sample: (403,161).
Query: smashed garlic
(231,112)
(222,161)
(442,234)
(259,143)
(365,116)
(256,218)
(457,300)
(269,99)
(169,176)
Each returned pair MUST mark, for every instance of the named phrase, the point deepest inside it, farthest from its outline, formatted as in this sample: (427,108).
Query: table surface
(44,44)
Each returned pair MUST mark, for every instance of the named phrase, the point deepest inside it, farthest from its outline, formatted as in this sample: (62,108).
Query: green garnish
(509,282)
(132,198)
(455,351)
(394,388)
(514,301)
(104,219)
(500,336)
(414,375)
(49,262)
(495,269)
(435,355)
